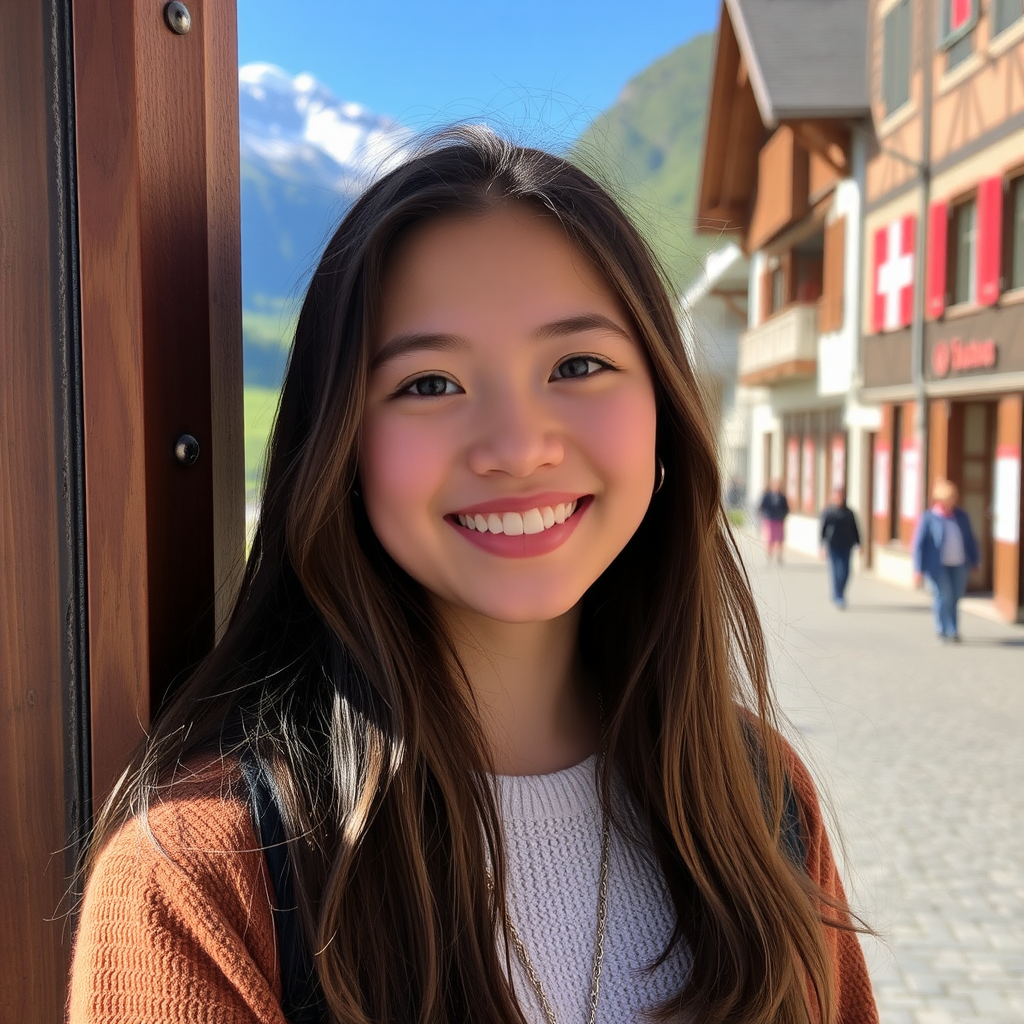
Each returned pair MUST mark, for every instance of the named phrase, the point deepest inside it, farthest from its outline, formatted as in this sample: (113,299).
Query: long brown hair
(335,672)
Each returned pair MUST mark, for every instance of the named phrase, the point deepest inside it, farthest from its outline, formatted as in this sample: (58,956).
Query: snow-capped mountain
(300,130)
(305,156)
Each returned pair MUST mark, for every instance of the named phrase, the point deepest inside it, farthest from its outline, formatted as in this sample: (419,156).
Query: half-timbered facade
(943,302)
(783,173)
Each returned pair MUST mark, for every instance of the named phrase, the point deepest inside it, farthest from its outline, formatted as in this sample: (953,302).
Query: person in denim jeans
(945,550)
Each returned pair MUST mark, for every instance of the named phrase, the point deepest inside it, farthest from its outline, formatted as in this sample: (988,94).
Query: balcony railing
(781,349)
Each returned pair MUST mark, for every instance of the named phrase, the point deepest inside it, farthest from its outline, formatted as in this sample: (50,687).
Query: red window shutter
(878,303)
(960,13)
(908,237)
(938,223)
(990,239)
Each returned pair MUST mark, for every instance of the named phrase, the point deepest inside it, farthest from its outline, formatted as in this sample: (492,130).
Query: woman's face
(507,450)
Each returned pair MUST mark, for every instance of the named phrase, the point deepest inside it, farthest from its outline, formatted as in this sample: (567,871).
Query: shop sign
(1006,506)
(956,356)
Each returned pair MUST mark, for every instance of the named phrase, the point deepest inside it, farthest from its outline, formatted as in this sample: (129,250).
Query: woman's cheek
(401,467)
(620,435)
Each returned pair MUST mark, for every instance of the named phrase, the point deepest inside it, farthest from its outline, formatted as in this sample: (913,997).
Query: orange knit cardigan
(176,926)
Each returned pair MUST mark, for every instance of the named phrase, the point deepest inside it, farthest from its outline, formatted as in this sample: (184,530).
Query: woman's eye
(579,366)
(431,386)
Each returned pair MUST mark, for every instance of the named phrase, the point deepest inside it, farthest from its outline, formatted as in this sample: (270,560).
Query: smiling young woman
(495,667)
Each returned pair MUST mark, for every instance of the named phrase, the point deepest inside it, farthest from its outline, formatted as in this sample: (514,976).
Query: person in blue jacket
(944,551)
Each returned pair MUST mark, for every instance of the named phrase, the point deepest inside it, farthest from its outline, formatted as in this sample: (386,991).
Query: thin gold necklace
(602,913)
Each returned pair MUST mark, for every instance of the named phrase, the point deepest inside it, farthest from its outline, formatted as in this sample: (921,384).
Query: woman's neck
(538,713)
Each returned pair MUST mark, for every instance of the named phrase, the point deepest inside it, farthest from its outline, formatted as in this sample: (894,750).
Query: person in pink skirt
(773,511)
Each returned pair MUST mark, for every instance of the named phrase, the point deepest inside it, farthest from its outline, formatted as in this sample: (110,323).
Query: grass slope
(260,408)
(647,149)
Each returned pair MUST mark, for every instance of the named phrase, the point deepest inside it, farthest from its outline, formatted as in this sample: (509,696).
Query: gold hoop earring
(661,475)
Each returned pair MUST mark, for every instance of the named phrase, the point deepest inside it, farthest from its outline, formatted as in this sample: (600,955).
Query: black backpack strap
(302,1000)
(791,829)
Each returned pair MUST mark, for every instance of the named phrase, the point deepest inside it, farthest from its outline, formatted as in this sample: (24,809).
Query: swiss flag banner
(893,305)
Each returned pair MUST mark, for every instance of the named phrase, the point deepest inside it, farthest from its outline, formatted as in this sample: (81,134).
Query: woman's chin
(517,608)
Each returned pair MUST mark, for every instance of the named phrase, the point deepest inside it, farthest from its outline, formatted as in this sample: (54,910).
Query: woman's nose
(514,435)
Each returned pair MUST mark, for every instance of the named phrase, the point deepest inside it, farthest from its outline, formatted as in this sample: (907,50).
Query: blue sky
(547,64)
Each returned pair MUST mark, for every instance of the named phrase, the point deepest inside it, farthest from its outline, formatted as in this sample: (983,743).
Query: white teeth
(512,522)
(533,521)
(515,524)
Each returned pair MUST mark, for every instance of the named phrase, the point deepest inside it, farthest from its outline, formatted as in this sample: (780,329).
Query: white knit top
(553,834)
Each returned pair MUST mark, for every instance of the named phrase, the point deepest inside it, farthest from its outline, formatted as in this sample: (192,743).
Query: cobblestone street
(919,748)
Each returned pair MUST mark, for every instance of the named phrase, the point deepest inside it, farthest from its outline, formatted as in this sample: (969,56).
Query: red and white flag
(894,275)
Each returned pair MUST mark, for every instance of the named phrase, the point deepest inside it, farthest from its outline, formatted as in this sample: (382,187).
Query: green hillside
(647,149)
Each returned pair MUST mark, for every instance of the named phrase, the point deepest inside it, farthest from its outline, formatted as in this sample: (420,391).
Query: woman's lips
(524,540)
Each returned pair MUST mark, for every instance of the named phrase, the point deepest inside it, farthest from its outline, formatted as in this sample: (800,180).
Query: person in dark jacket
(839,536)
(773,511)
(945,551)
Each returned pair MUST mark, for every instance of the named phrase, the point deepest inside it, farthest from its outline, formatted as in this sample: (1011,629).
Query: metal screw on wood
(186,450)
(177,17)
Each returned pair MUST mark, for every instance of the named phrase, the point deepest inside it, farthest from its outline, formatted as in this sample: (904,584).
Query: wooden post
(157,140)
(42,771)
(1006,561)
(120,329)
(938,443)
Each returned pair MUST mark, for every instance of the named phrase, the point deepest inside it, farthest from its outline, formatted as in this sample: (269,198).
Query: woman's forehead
(513,264)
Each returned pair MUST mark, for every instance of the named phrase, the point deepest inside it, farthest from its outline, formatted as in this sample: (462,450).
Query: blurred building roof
(806,58)
(793,65)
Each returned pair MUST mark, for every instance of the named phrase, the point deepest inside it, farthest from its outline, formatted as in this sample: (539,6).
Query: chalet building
(782,173)
(943,303)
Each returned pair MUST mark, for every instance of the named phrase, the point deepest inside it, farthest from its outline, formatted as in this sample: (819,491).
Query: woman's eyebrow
(415,341)
(580,323)
(439,341)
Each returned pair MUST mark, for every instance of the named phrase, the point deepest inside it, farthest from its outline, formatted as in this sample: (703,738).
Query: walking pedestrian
(944,551)
(495,679)
(839,536)
(773,511)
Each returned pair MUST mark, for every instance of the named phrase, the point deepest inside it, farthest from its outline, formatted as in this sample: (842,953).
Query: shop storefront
(974,369)
(974,430)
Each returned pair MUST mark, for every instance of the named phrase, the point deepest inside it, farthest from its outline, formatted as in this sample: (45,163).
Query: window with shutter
(958,18)
(963,252)
(989,240)
(896,57)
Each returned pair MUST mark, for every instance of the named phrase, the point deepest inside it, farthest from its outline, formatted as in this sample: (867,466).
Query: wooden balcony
(783,348)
